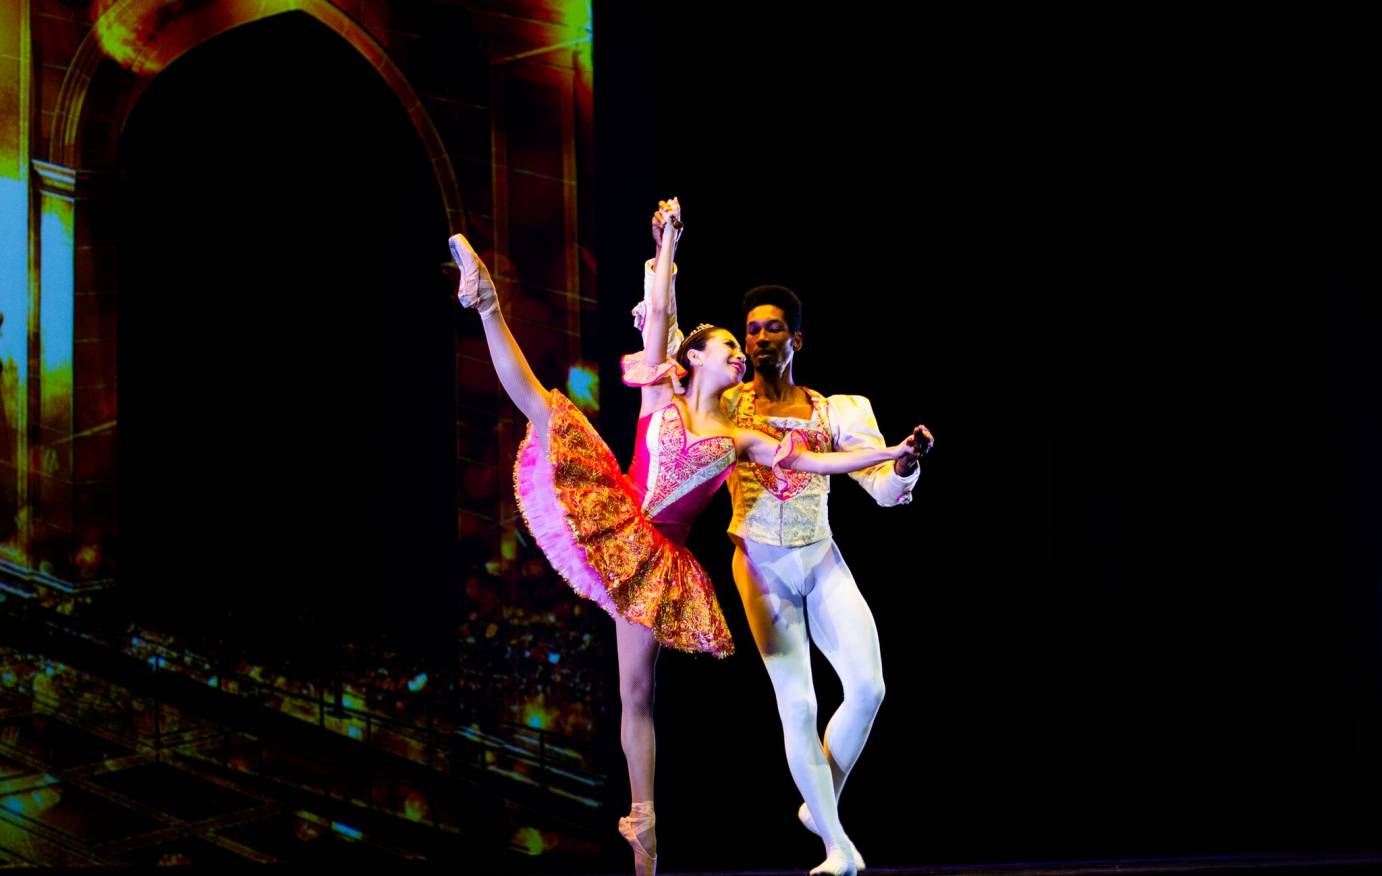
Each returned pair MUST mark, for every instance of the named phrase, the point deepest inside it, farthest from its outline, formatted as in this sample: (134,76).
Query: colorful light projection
(30,803)
(583,387)
(55,306)
(580,17)
(531,841)
(145,36)
(538,715)
(416,807)
(19,842)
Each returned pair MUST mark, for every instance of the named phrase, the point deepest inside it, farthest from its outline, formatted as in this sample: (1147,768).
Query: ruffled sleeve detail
(637,372)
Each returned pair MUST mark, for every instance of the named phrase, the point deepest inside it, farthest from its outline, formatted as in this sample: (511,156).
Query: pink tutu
(587,518)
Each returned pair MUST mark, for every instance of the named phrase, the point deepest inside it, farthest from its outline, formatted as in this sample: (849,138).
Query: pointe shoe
(804,816)
(639,820)
(477,289)
(838,862)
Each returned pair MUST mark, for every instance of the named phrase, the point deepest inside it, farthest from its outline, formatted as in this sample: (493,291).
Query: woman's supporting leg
(638,652)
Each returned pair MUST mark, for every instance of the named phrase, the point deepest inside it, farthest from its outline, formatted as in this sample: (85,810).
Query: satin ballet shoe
(640,820)
(477,289)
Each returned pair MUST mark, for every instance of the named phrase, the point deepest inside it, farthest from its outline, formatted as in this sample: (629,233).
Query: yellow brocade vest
(797,514)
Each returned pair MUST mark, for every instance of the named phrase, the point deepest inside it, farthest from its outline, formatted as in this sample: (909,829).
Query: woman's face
(722,362)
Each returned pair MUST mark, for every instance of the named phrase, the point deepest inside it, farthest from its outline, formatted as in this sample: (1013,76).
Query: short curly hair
(778,296)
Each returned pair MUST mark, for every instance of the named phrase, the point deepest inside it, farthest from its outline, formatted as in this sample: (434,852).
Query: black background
(1133,609)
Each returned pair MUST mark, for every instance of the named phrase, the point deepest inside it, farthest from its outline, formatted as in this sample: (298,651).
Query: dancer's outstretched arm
(477,291)
(759,448)
(640,310)
(656,316)
(853,425)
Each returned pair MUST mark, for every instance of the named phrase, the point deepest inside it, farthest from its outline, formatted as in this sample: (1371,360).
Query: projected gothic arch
(67,451)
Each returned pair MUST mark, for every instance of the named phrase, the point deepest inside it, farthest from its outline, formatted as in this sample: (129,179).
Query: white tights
(782,589)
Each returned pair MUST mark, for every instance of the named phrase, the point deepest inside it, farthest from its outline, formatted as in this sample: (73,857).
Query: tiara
(702,327)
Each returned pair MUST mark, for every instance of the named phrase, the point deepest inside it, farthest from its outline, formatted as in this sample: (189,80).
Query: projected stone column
(14,279)
(69,457)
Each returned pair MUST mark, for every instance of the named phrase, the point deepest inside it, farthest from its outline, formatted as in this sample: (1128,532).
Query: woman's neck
(702,400)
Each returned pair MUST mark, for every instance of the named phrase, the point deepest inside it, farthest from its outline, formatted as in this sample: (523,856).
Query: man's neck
(774,387)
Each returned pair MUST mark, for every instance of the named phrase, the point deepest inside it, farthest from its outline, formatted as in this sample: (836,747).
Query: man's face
(767,340)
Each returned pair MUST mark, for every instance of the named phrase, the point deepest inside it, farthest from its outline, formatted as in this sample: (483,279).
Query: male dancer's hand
(921,440)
